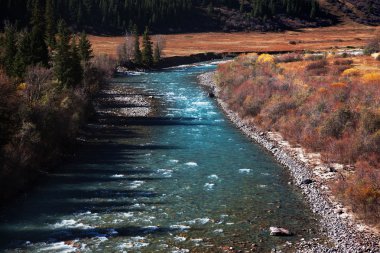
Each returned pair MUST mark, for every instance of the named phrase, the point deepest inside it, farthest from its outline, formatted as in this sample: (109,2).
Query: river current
(185,180)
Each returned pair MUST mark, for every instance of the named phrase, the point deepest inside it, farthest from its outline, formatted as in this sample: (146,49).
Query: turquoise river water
(184,181)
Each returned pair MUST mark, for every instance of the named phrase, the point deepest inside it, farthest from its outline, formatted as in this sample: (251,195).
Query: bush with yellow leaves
(351,72)
(371,78)
(266,59)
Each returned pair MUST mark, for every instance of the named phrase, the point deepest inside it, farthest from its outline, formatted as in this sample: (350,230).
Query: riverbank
(346,233)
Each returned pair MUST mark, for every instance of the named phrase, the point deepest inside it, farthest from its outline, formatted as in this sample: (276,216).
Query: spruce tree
(10,49)
(156,54)
(39,50)
(75,70)
(85,51)
(23,56)
(50,24)
(147,53)
(137,51)
(61,59)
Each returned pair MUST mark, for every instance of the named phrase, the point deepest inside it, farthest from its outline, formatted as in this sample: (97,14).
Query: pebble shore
(345,234)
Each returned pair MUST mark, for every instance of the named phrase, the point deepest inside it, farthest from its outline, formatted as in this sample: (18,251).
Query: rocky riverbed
(345,232)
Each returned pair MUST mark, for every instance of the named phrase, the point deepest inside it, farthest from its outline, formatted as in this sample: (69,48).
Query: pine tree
(75,70)
(147,53)
(61,59)
(50,24)
(137,51)
(156,54)
(10,49)
(23,56)
(314,9)
(85,51)
(39,50)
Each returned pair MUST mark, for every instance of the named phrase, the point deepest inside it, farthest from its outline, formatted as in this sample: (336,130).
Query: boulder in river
(307,181)
(211,95)
(276,231)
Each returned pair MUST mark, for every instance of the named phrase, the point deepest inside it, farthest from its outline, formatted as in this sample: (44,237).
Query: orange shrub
(338,85)
(362,191)
(371,78)
(351,72)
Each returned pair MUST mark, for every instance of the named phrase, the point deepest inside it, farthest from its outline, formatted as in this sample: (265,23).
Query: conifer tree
(10,49)
(85,51)
(61,59)
(137,51)
(39,51)
(156,54)
(147,53)
(75,68)
(23,56)
(50,24)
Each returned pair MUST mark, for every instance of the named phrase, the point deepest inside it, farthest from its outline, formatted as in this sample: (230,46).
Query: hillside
(359,11)
(178,16)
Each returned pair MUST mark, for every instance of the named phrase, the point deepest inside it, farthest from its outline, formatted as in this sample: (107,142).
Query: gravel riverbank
(345,233)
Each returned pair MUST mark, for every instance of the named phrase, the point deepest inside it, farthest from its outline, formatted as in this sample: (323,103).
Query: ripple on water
(71,223)
(136,184)
(117,176)
(191,164)
(209,186)
(244,171)
(200,221)
(213,177)
(180,227)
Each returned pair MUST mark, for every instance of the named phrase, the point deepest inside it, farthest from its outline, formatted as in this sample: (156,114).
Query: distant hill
(359,11)
(176,16)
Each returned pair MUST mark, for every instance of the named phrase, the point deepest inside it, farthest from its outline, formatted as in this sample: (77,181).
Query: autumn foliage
(326,105)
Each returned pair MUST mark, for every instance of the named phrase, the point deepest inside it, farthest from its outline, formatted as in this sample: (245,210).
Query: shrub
(371,78)
(343,62)
(362,191)
(337,123)
(338,85)
(321,64)
(266,59)
(370,121)
(373,46)
(351,72)
(292,57)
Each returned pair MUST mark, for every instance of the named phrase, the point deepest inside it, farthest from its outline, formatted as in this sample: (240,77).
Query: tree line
(120,15)
(103,14)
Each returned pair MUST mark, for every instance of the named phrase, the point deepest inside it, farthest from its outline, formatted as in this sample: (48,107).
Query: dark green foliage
(50,23)
(38,47)
(156,54)
(147,52)
(84,47)
(75,70)
(10,49)
(62,59)
(23,56)
(137,52)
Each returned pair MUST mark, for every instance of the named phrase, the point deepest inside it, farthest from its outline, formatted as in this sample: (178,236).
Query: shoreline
(341,229)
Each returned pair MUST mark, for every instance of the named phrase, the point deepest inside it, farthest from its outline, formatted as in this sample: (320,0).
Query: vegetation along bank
(47,80)
(319,116)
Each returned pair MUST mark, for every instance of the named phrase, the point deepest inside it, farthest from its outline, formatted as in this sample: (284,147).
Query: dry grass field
(341,36)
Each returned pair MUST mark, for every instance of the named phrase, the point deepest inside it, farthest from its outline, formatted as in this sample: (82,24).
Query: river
(185,180)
